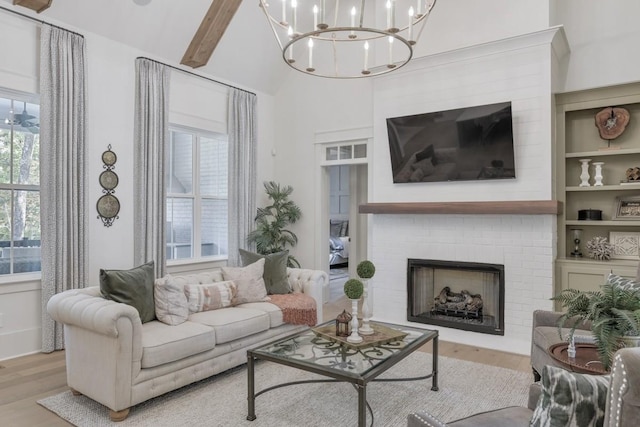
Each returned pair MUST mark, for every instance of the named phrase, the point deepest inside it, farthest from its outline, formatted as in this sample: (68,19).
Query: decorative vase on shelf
(354,337)
(584,176)
(598,176)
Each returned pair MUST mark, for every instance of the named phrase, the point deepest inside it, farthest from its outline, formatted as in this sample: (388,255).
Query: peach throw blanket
(297,309)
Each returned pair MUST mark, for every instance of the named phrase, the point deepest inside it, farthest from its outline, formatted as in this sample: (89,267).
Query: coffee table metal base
(360,386)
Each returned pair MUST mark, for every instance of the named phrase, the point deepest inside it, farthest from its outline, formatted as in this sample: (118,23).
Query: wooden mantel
(519,207)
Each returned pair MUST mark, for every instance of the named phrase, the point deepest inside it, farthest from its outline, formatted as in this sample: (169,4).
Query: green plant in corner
(271,234)
(353,288)
(614,313)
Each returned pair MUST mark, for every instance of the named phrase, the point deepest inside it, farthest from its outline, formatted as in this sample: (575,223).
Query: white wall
(110,120)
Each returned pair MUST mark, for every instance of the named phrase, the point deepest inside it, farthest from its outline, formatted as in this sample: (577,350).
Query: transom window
(197,197)
(19,184)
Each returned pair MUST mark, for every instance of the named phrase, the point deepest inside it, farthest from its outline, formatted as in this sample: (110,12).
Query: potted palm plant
(614,313)
(271,234)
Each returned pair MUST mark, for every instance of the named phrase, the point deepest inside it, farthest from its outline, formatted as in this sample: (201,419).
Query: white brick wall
(520,70)
(524,244)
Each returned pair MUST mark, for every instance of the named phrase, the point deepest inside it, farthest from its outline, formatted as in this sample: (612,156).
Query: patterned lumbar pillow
(249,281)
(210,297)
(171,303)
(571,399)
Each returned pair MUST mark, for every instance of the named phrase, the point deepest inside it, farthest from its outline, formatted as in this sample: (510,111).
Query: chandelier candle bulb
(388,13)
(315,17)
(294,8)
(353,22)
(284,12)
(366,56)
(410,37)
(290,59)
(323,16)
(390,65)
(419,7)
(310,68)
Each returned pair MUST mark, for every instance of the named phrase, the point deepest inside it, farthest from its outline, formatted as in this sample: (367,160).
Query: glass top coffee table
(360,365)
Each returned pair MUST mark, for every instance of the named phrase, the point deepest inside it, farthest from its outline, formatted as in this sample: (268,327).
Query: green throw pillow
(569,399)
(275,270)
(133,287)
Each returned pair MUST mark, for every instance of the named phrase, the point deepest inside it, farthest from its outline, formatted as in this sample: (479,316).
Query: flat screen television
(465,144)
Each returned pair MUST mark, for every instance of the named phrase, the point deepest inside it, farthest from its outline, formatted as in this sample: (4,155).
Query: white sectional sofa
(118,361)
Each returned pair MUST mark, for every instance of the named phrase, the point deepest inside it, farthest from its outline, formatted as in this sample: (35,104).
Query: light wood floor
(25,380)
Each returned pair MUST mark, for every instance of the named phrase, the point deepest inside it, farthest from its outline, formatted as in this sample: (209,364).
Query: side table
(585,362)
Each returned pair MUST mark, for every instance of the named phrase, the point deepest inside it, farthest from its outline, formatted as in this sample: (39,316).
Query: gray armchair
(623,401)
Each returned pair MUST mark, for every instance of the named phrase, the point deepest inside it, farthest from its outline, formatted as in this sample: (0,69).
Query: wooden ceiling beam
(210,32)
(37,5)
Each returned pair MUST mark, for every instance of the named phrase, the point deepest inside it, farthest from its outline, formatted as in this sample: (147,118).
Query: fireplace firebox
(460,295)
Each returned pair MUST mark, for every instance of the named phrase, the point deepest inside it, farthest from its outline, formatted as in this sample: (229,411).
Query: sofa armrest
(310,282)
(423,419)
(85,309)
(623,400)
(103,345)
(550,318)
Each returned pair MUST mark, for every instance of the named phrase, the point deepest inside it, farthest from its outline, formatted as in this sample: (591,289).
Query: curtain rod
(40,21)
(197,75)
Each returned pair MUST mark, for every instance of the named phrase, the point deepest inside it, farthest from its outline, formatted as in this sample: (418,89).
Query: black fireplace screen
(461,295)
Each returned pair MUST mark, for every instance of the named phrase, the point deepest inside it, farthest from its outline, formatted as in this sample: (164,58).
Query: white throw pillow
(249,281)
(170,301)
(210,296)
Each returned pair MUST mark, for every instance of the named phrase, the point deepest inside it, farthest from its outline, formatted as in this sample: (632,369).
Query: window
(19,185)
(196,182)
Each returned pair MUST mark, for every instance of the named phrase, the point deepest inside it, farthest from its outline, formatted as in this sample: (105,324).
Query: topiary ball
(353,288)
(366,269)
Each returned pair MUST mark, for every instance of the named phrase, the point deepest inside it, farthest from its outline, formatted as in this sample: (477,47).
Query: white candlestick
(290,34)
(353,21)
(411,15)
(366,56)
(294,9)
(390,50)
(284,11)
(388,13)
(323,8)
(315,17)
(310,53)
(419,7)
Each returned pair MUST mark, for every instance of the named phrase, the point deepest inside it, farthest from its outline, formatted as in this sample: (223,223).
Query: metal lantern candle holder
(343,321)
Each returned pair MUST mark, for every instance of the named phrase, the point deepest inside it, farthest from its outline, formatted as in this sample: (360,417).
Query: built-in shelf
(603,152)
(622,223)
(620,187)
(520,207)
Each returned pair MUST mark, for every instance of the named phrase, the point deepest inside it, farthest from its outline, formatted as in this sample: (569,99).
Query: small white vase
(366,329)
(584,176)
(598,176)
(354,337)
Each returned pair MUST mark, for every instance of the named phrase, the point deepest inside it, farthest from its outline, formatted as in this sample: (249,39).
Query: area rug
(465,388)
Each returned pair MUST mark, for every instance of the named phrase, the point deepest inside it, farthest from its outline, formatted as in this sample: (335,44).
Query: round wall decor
(108,205)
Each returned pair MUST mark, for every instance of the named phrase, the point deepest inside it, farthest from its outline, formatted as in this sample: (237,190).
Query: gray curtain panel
(62,170)
(151,141)
(242,130)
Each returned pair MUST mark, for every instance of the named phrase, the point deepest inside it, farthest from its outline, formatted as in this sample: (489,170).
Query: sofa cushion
(274,312)
(199,278)
(233,322)
(622,282)
(171,302)
(251,287)
(275,270)
(162,343)
(571,399)
(132,287)
(211,296)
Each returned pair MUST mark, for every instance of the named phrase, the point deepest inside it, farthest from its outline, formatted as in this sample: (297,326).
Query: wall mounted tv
(465,144)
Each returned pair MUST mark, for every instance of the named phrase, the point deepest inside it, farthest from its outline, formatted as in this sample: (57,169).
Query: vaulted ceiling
(246,55)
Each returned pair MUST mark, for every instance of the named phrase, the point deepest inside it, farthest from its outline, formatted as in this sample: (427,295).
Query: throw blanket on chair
(297,309)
